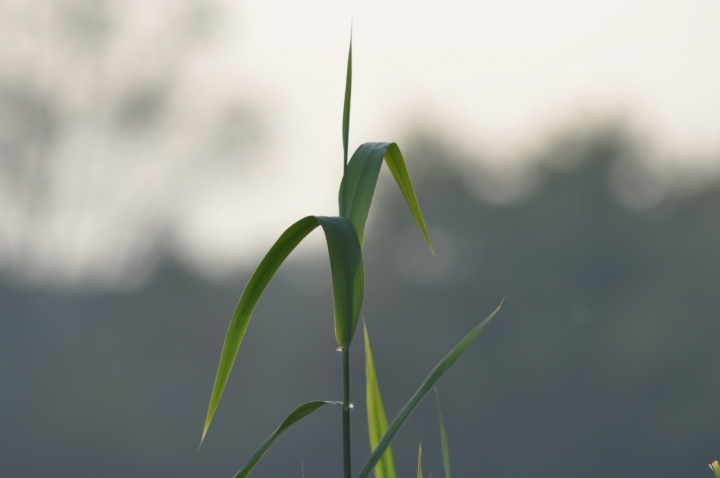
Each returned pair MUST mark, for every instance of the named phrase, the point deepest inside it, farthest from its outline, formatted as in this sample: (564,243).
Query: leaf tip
(346,105)
(494,312)
(206,427)
(204,433)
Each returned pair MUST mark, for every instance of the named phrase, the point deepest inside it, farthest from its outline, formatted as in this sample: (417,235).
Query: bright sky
(500,74)
(497,77)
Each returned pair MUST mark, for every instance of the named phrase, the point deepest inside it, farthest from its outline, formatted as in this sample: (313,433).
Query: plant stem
(346,411)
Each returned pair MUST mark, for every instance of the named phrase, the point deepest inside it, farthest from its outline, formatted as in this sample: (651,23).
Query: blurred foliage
(603,360)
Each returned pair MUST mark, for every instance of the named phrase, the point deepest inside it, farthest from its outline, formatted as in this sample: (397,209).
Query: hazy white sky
(503,72)
(498,77)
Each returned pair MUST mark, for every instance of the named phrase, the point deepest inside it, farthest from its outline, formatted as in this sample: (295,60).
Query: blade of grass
(415,400)
(346,106)
(377,423)
(348,277)
(296,415)
(347,461)
(443,439)
(358,185)
(419,473)
(715,466)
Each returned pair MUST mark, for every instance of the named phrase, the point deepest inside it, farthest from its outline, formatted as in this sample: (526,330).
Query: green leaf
(443,439)
(346,106)
(377,423)
(419,474)
(348,277)
(358,185)
(298,414)
(415,400)
(715,466)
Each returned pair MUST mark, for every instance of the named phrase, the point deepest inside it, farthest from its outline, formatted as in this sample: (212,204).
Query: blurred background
(566,156)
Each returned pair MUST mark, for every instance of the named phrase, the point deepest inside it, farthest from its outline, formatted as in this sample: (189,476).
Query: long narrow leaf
(419,473)
(443,439)
(426,386)
(377,423)
(358,185)
(348,282)
(346,106)
(298,414)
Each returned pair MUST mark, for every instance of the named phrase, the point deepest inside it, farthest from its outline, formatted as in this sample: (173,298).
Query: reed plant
(344,235)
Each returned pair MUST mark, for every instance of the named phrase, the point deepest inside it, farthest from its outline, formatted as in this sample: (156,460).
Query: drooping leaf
(715,466)
(419,473)
(358,185)
(377,423)
(298,414)
(348,277)
(415,400)
(443,439)
(346,107)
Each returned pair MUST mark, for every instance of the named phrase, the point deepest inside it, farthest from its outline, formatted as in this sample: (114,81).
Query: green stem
(346,411)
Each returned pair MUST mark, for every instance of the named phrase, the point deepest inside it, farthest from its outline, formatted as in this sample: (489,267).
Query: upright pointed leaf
(377,423)
(443,439)
(298,414)
(348,280)
(346,105)
(415,400)
(419,473)
(358,185)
